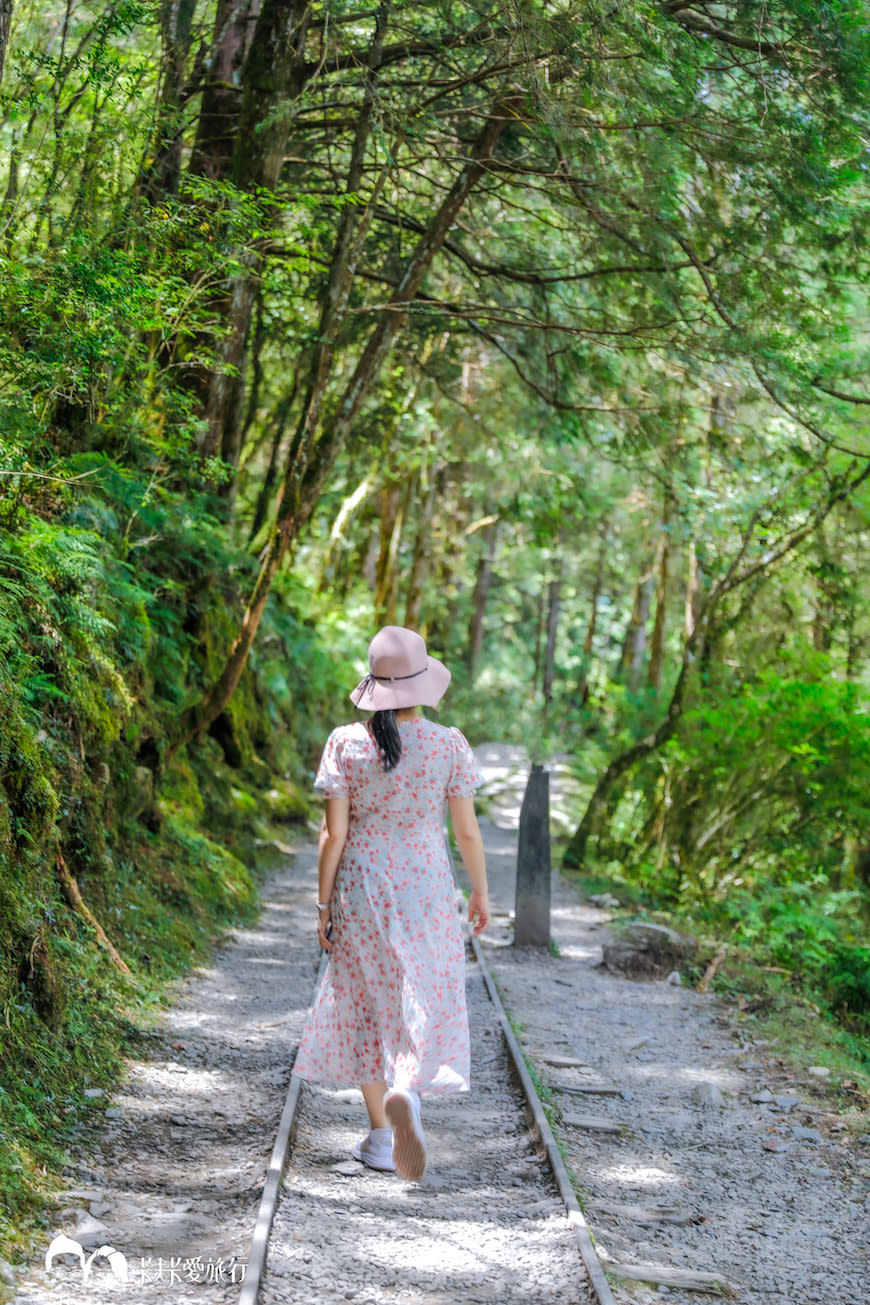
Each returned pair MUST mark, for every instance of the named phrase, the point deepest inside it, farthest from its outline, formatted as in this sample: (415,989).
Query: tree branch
(533,277)
(699,23)
(840,394)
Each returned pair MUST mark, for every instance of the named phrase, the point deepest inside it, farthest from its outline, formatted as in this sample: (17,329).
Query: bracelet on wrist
(321,906)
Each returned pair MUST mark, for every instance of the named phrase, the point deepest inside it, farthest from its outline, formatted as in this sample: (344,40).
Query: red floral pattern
(391,1004)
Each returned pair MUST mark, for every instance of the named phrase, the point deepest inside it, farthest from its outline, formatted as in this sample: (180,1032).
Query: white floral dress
(391,1004)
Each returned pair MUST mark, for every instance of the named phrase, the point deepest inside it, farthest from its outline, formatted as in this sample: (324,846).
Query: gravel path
(693,1150)
(171,1174)
(485,1223)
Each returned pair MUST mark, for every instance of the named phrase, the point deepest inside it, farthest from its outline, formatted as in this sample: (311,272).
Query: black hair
(387,737)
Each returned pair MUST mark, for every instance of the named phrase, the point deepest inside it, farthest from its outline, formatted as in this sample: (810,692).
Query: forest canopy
(540,327)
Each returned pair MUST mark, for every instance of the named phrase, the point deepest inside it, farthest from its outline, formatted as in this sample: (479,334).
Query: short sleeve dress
(391,1004)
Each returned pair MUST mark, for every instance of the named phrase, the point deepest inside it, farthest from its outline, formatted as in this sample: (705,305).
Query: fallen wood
(588,1089)
(662,1276)
(648,1214)
(591,1123)
(74,897)
(559,1061)
(710,972)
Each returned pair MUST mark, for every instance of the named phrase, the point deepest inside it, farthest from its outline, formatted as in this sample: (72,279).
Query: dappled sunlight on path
(685,1160)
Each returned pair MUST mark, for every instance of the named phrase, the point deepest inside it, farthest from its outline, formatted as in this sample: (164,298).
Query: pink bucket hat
(401,673)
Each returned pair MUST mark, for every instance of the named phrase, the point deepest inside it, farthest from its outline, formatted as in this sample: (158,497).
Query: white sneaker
(376,1150)
(402,1108)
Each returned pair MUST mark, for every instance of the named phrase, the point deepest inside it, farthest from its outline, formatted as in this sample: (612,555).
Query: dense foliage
(540,327)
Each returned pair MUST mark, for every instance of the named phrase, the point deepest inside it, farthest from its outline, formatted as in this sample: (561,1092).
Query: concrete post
(532,922)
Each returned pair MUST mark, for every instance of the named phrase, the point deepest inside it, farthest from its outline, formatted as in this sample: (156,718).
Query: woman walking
(390,1012)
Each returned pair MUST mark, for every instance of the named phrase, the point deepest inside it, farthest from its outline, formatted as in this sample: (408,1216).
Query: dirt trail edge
(171,1174)
(703,1164)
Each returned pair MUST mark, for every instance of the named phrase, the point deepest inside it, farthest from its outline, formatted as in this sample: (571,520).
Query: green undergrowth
(750,827)
(793,968)
(119,596)
(769,1009)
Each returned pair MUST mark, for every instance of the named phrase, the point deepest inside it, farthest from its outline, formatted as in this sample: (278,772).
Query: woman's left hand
(324,920)
(478,911)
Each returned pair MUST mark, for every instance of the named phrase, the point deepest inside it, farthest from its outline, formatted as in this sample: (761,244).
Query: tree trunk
(590,825)
(420,562)
(310,459)
(854,647)
(73,895)
(453,505)
(353,225)
(280,421)
(693,591)
(592,624)
(5,22)
(393,504)
(220,106)
(482,581)
(212,158)
(657,641)
(273,75)
(161,174)
(634,644)
(369,563)
(554,603)
(821,626)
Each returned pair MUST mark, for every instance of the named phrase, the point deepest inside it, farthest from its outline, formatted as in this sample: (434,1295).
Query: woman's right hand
(324,920)
(478,911)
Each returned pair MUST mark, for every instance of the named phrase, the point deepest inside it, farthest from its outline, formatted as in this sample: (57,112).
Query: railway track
(173,1173)
(494,1218)
(177,1174)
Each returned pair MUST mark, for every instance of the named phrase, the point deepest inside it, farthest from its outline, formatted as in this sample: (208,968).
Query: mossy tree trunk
(162,171)
(597,809)
(218,121)
(634,644)
(554,609)
(5,20)
(592,624)
(657,638)
(274,72)
(420,560)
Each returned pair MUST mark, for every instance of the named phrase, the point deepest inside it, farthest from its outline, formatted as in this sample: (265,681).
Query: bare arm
(333,836)
(470,843)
